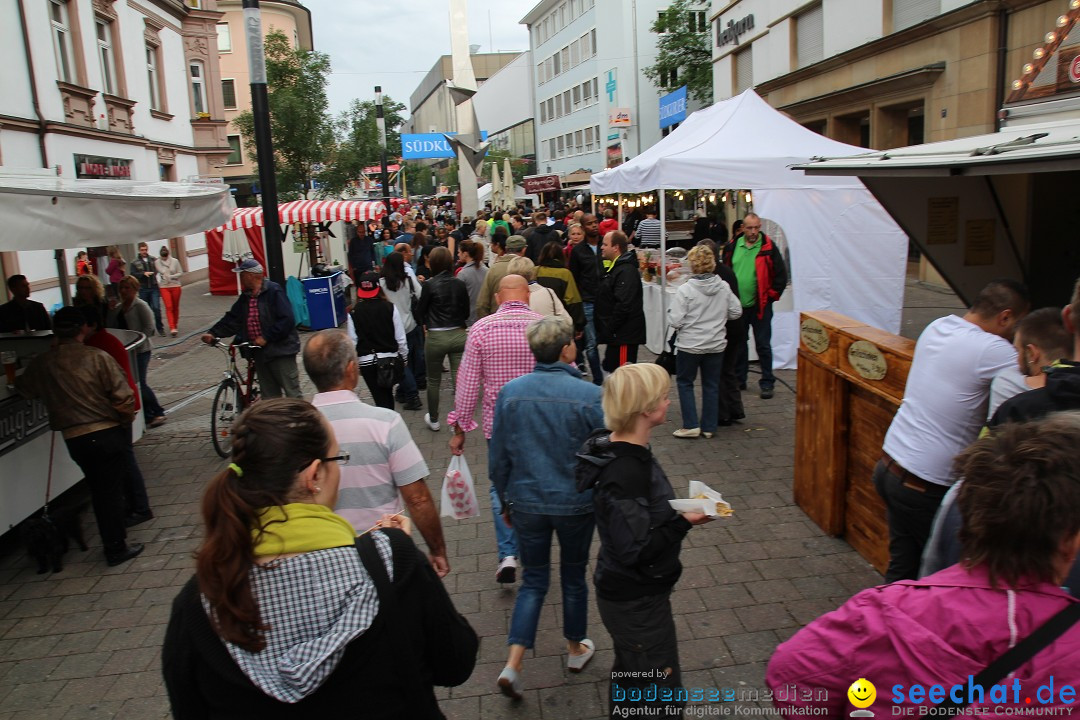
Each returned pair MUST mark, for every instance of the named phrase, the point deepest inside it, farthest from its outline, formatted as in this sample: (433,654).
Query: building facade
(504,108)
(125,89)
(287,16)
(588,58)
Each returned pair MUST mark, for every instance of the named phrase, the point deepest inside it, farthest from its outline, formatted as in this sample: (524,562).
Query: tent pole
(663,266)
(619,210)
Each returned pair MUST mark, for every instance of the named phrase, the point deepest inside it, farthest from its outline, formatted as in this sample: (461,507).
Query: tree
(299,116)
(683,56)
(356,144)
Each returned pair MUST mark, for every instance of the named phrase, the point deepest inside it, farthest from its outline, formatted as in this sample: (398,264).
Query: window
(556,64)
(236,156)
(224,38)
(586,47)
(551,108)
(106,56)
(558,106)
(565,53)
(586,92)
(198,87)
(592,39)
(579,142)
(193,3)
(566,101)
(577,97)
(543,112)
(810,37)
(551,149)
(906,13)
(540,73)
(549,68)
(569,143)
(744,70)
(595,91)
(661,21)
(61,32)
(575,53)
(152,74)
(562,16)
(590,144)
(697,21)
(228,93)
(669,78)
(562,145)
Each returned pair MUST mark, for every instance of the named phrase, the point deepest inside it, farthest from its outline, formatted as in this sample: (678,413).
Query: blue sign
(429,145)
(673,108)
(610,86)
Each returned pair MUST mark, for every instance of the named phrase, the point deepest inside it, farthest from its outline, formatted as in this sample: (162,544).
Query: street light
(380,123)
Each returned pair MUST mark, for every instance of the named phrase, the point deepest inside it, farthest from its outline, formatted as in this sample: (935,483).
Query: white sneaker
(687,432)
(433,425)
(507,571)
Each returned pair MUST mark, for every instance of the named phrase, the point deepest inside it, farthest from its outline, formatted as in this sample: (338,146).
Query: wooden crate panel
(832,322)
(819,443)
(866,527)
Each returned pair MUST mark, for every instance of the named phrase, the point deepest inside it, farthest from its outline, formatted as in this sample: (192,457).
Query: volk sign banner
(428,145)
(541,183)
(673,108)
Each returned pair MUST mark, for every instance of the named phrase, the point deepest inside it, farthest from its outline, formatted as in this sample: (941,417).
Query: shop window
(810,37)
(228,93)
(224,38)
(236,156)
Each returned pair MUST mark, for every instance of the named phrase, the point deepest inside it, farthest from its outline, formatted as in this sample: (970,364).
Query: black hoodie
(640,534)
(540,236)
(1062,392)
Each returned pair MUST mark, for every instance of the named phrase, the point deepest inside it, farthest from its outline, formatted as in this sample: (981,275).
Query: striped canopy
(309,211)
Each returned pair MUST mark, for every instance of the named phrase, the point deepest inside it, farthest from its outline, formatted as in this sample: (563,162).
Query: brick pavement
(85,643)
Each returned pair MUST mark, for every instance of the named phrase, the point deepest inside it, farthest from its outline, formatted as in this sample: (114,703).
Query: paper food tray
(706,505)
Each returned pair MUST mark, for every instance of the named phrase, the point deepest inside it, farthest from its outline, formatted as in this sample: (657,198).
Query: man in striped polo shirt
(385,472)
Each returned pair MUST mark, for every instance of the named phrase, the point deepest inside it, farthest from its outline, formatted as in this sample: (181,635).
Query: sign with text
(673,108)
(429,145)
(620,117)
(735,28)
(541,183)
(102,168)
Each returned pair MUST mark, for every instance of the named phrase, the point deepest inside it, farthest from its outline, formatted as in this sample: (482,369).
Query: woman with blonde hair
(698,315)
(89,292)
(640,534)
(289,614)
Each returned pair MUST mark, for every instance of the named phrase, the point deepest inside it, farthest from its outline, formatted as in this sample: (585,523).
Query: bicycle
(235,393)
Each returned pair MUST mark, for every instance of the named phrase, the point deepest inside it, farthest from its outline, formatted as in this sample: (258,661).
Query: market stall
(40,211)
(846,253)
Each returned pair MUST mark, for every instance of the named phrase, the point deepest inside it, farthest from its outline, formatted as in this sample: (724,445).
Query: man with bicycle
(263,317)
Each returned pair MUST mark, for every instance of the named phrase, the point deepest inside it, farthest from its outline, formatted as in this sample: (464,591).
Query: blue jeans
(591,353)
(415,367)
(151,407)
(686,369)
(505,537)
(534,542)
(152,297)
(763,342)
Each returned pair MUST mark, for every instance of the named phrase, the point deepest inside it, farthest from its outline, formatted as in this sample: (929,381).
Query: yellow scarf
(299,528)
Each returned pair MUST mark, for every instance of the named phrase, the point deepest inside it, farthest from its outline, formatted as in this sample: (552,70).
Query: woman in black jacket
(640,539)
(289,614)
(444,310)
(380,338)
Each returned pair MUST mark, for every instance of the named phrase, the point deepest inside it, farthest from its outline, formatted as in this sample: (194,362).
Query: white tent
(847,254)
(484,193)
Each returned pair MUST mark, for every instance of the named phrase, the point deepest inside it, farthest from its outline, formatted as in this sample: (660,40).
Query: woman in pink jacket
(918,641)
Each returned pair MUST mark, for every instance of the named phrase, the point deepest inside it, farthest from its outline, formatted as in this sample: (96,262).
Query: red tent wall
(222,278)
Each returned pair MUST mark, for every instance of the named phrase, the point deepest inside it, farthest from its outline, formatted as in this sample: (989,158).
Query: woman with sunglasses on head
(289,615)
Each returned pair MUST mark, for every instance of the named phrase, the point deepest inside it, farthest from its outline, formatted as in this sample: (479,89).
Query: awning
(1023,148)
(313,211)
(44,212)
(245,217)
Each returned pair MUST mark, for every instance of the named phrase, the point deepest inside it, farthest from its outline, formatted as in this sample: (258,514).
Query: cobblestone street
(85,643)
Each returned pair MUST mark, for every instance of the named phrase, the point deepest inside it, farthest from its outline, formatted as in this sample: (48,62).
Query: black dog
(46,536)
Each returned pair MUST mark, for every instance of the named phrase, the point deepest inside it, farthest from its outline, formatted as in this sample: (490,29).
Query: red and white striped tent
(309,211)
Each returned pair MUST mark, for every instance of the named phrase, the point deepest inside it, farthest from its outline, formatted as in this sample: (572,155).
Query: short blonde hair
(632,390)
(522,266)
(95,283)
(129,281)
(702,260)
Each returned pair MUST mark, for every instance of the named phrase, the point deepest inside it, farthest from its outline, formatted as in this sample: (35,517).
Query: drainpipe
(1002,51)
(33,85)
(637,80)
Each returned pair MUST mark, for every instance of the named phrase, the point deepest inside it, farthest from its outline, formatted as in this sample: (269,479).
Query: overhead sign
(734,29)
(1074,69)
(429,145)
(673,108)
(541,183)
(620,117)
(614,155)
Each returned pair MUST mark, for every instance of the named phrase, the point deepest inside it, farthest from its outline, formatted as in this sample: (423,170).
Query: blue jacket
(541,420)
(275,317)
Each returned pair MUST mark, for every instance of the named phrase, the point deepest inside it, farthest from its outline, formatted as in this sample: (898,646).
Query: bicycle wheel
(228,404)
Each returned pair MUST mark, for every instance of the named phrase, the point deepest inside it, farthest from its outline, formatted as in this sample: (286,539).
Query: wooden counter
(851,380)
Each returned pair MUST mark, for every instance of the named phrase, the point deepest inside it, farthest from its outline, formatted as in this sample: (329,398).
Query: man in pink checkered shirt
(495,353)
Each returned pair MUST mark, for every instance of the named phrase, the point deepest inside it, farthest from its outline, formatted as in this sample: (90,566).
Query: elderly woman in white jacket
(699,315)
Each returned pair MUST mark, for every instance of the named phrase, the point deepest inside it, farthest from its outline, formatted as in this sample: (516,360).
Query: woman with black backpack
(403,289)
(380,340)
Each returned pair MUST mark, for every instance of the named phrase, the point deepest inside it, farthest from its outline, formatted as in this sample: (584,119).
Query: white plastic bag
(458,493)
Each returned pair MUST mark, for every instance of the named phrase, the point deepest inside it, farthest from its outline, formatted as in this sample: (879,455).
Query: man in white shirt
(944,408)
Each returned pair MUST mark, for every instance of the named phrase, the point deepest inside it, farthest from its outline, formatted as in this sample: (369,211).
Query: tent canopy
(45,212)
(484,194)
(740,143)
(310,211)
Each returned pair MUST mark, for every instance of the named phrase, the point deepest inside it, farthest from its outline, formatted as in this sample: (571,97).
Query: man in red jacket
(759,266)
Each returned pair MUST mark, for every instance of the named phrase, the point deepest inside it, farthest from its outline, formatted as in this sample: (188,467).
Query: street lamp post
(380,123)
(264,147)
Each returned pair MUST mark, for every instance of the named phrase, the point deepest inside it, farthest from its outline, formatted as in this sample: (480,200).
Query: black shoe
(414,404)
(138,518)
(724,423)
(129,552)
(766,393)
(742,386)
